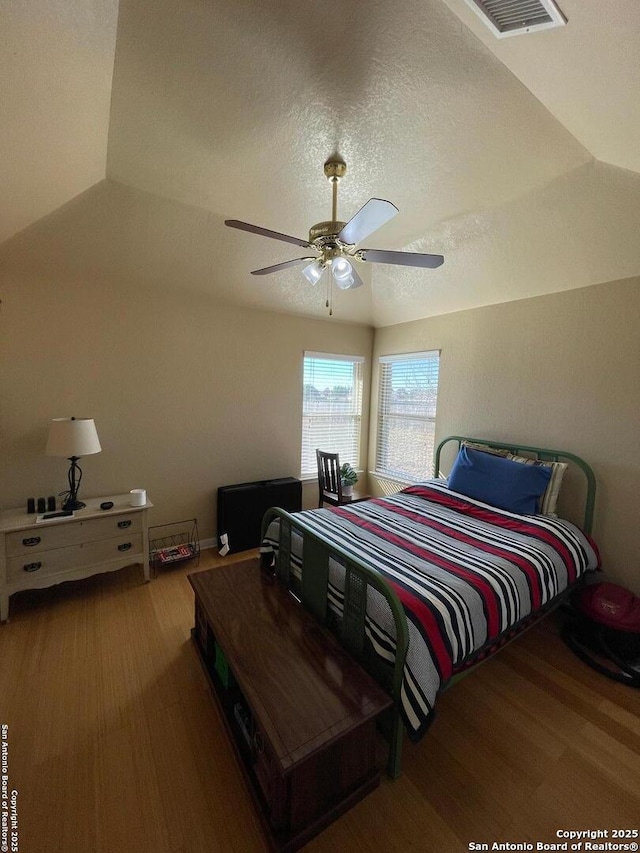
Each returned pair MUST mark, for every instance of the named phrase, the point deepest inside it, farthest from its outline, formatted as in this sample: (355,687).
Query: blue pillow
(498,481)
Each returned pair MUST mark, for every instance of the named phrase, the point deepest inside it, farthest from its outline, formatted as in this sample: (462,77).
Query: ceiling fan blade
(368,219)
(265,232)
(405,259)
(283,266)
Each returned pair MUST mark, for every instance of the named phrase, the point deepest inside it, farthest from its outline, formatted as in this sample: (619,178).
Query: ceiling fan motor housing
(326,229)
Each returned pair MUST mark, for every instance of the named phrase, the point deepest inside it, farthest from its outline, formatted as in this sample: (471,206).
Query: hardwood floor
(115,743)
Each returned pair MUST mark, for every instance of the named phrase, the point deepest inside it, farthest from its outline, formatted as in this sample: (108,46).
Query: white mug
(137,497)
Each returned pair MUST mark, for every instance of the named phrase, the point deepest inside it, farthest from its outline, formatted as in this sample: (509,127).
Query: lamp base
(72,505)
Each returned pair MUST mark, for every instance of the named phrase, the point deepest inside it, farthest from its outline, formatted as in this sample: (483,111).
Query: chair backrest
(329,482)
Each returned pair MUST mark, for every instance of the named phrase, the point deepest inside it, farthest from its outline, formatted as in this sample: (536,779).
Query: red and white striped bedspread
(466,573)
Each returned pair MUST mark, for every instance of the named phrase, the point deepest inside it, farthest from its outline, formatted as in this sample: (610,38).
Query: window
(407,415)
(331,408)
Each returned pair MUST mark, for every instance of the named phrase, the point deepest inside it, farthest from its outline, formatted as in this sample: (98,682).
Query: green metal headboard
(542,453)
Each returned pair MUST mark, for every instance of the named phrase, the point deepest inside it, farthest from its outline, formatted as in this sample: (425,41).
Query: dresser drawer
(42,538)
(60,560)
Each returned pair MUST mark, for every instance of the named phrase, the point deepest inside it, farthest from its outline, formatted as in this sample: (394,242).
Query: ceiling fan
(335,242)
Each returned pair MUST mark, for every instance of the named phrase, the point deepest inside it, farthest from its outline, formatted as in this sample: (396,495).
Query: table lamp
(72,438)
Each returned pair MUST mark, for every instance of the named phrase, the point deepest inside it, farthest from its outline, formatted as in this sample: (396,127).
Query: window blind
(408,396)
(331,408)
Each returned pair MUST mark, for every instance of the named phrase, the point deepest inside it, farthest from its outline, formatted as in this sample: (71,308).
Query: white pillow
(549,499)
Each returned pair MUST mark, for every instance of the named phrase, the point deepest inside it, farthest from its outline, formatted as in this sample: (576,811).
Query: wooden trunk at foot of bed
(312,591)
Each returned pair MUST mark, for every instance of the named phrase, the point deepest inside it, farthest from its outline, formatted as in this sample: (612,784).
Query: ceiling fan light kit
(342,272)
(336,242)
(313,273)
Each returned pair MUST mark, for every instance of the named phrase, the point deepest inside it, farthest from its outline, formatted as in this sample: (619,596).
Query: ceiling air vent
(513,17)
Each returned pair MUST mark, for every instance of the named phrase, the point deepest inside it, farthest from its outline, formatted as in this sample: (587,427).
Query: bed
(422,585)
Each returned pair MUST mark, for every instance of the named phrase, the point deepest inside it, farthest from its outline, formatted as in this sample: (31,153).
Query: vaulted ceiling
(516,158)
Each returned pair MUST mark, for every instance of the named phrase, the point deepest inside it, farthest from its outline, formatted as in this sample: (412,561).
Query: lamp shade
(72,437)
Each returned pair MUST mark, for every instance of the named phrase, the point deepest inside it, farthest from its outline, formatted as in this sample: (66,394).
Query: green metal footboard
(313,593)
(541,453)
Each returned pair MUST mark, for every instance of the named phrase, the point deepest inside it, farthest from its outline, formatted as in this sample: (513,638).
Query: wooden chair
(329,482)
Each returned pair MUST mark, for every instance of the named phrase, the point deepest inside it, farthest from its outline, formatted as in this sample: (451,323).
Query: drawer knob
(125,546)
(32,567)
(123,524)
(31,541)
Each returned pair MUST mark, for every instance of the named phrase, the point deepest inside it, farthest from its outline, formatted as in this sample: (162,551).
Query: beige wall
(188,394)
(560,371)
(56,67)
(101,317)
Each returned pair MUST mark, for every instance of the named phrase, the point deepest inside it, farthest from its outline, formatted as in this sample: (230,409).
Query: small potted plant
(348,477)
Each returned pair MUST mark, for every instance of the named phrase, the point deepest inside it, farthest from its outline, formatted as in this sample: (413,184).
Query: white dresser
(39,554)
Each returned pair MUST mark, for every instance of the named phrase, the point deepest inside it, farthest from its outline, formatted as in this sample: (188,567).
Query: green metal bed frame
(312,588)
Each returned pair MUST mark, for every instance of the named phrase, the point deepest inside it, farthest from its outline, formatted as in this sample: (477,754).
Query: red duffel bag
(610,605)
(604,631)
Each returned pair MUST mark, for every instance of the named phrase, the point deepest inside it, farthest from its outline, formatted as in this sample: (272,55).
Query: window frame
(353,456)
(382,468)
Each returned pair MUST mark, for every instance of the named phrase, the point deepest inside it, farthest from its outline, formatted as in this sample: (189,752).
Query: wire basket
(173,543)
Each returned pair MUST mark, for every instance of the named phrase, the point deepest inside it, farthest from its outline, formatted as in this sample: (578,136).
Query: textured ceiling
(56,64)
(586,73)
(230,110)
